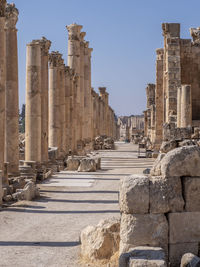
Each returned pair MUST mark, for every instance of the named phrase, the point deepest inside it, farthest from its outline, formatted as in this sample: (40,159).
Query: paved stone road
(46,232)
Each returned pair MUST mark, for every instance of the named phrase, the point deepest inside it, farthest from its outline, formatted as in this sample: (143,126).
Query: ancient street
(45,232)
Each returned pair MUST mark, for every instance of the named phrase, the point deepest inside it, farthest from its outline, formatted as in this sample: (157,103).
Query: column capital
(45,46)
(159,53)
(55,59)
(2,8)
(74,31)
(195,34)
(11,14)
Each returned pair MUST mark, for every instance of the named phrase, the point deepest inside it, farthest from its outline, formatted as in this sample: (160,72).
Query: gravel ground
(46,232)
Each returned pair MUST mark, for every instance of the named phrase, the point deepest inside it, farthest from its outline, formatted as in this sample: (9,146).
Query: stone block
(184,227)
(72,164)
(168,146)
(87,165)
(143,256)
(165,195)
(176,251)
(182,161)
(191,193)
(143,230)
(101,241)
(134,194)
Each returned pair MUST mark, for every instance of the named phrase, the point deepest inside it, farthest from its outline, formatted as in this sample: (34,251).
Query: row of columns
(62,109)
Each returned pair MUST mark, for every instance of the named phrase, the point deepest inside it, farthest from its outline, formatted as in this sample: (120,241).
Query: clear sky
(123,33)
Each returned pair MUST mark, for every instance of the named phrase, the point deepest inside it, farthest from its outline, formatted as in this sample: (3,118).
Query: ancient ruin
(76,189)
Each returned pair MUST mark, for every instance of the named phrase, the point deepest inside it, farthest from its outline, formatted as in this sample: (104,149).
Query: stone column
(172,68)
(159,99)
(83,118)
(54,101)
(68,125)
(74,63)
(45,46)
(62,107)
(186,106)
(12,97)
(2,93)
(179,106)
(33,103)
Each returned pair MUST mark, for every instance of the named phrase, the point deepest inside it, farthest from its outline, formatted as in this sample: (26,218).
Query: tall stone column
(83,119)
(159,99)
(54,101)
(62,107)
(171,68)
(74,62)
(2,92)
(45,46)
(179,90)
(186,106)
(12,97)
(33,103)
(68,125)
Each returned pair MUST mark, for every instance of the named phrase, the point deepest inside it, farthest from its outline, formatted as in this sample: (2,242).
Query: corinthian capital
(11,14)
(2,8)
(74,31)
(195,33)
(55,59)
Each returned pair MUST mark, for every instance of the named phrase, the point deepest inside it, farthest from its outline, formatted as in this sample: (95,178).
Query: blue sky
(123,33)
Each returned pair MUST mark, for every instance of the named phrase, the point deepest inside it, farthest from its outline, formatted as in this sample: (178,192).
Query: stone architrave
(45,46)
(54,101)
(12,98)
(33,103)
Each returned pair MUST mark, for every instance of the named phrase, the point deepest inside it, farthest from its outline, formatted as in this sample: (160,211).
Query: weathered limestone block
(182,161)
(134,194)
(143,256)
(72,164)
(191,193)
(190,259)
(101,241)
(184,227)
(143,230)
(87,165)
(156,168)
(187,143)
(176,251)
(165,195)
(29,192)
(168,146)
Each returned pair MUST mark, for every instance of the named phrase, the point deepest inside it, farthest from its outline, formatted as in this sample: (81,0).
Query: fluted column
(83,119)
(74,62)
(2,91)
(54,101)
(33,103)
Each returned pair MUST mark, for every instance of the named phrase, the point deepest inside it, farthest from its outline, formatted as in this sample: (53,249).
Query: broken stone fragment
(87,165)
(73,164)
(168,146)
(101,241)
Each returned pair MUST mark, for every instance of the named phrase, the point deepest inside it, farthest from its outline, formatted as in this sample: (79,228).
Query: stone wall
(162,210)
